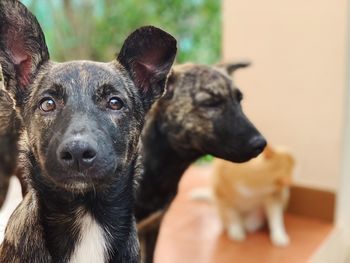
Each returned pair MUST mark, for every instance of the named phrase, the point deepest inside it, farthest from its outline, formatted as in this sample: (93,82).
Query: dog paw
(236,233)
(280,239)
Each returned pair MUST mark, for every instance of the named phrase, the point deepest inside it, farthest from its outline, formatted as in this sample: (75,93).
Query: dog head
(202,113)
(83,118)
(279,157)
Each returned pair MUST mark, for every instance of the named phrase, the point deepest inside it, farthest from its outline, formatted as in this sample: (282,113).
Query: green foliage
(205,159)
(81,29)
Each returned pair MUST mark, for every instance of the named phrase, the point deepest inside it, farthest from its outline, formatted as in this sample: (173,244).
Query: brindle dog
(81,122)
(9,132)
(200,114)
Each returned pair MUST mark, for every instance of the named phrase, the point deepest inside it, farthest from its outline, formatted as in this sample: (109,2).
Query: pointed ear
(268,152)
(230,68)
(148,54)
(22,45)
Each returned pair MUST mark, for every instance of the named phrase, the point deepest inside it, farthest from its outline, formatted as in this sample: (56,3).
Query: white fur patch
(202,194)
(92,247)
(250,192)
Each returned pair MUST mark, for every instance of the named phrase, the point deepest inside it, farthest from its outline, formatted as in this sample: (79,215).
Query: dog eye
(115,103)
(205,99)
(47,105)
(210,103)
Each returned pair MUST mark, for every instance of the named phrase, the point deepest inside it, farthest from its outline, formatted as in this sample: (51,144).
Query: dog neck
(95,224)
(163,168)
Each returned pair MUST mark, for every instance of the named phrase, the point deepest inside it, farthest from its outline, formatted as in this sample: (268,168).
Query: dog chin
(240,158)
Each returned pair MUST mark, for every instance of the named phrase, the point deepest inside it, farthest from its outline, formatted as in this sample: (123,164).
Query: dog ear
(22,46)
(230,68)
(268,152)
(10,128)
(148,54)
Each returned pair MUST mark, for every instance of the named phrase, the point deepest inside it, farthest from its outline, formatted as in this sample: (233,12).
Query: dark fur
(9,131)
(61,190)
(200,114)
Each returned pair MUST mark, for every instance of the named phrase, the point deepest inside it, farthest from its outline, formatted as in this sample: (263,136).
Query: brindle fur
(9,132)
(200,114)
(45,226)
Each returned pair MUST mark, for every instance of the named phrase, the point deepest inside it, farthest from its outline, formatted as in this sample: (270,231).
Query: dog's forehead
(86,74)
(212,80)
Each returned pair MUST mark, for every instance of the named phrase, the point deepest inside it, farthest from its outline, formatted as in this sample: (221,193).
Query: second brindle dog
(200,114)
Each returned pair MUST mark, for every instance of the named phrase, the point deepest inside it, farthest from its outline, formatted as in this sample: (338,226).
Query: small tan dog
(246,193)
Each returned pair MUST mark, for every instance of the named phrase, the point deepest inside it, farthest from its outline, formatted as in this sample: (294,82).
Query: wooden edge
(312,203)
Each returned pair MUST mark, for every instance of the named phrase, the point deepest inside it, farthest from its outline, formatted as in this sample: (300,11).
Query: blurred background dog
(245,194)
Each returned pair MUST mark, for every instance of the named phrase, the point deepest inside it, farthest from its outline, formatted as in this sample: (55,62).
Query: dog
(244,194)
(199,114)
(9,134)
(81,123)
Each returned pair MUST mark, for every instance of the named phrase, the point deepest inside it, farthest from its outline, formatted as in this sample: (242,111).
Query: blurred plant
(205,159)
(81,29)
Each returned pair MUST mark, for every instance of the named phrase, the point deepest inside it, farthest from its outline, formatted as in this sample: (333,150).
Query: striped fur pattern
(200,114)
(75,127)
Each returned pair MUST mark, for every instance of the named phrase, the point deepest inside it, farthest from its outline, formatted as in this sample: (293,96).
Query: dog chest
(248,197)
(92,246)
(248,191)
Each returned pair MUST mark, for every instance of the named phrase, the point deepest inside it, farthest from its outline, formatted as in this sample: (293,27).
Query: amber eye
(115,103)
(47,105)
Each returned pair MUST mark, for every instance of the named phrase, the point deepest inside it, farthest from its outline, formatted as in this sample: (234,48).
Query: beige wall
(294,90)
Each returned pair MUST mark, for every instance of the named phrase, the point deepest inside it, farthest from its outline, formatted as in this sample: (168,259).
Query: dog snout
(77,154)
(257,144)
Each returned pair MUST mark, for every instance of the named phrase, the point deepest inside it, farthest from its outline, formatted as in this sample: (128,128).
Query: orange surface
(191,233)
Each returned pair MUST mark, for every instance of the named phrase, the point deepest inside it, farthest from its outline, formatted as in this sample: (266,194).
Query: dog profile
(199,114)
(246,194)
(78,141)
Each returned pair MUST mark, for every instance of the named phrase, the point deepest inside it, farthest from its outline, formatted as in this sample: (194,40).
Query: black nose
(257,144)
(76,154)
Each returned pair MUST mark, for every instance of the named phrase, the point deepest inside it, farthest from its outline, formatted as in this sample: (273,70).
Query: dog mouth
(83,181)
(242,157)
(257,152)
(86,176)
(78,186)
(76,177)
(81,184)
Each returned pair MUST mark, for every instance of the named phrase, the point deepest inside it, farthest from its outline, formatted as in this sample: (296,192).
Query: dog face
(83,118)
(88,121)
(203,112)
